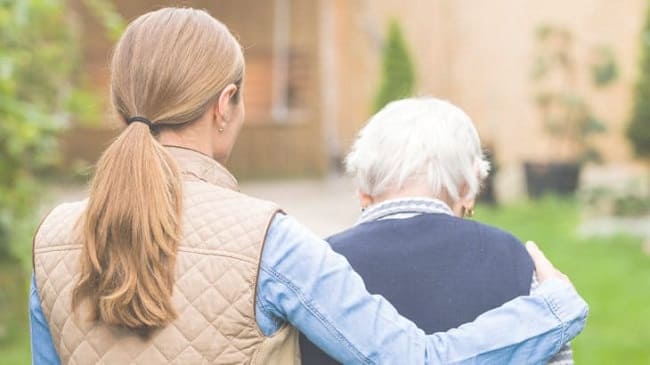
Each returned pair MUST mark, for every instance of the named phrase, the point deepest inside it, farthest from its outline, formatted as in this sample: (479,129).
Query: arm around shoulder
(302,281)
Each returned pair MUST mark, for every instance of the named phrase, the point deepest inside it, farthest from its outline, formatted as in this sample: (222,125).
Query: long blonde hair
(169,66)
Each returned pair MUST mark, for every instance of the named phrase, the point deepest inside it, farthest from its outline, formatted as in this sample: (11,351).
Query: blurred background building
(313,69)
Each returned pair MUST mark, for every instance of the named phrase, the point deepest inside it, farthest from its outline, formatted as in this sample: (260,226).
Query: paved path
(609,226)
(325,206)
(330,205)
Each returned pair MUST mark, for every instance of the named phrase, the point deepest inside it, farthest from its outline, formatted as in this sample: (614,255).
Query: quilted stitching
(216,271)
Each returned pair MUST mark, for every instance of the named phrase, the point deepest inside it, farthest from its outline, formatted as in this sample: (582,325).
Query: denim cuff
(566,304)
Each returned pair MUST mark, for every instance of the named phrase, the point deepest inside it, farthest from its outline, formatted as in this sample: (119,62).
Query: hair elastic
(141,120)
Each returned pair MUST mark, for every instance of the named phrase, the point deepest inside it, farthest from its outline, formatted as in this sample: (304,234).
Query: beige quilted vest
(216,279)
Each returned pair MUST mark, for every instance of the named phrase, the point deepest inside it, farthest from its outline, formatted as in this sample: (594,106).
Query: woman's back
(216,276)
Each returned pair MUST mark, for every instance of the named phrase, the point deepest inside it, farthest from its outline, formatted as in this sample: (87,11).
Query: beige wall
(478,54)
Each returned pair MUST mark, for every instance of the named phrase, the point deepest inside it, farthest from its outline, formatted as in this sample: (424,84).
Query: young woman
(166,262)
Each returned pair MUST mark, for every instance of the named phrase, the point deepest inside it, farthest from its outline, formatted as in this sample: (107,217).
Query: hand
(544,269)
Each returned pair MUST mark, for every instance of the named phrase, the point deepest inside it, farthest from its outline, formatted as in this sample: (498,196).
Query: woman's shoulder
(491,237)
(56,224)
(493,233)
(201,194)
(479,231)
(504,243)
(64,212)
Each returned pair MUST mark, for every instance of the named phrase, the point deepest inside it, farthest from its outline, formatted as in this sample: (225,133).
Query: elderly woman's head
(419,147)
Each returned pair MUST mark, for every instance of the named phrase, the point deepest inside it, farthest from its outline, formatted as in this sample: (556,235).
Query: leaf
(593,125)
(543,32)
(604,69)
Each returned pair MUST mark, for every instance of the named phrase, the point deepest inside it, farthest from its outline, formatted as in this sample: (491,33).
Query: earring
(467,212)
(470,213)
(223,124)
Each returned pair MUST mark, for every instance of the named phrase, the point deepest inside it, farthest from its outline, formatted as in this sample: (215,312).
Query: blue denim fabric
(43,351)
(303,282)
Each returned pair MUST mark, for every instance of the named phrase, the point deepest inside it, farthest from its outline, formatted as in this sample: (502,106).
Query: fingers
(544,269)
(542,265)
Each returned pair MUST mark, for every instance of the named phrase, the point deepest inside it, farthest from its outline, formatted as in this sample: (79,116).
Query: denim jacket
(303,282)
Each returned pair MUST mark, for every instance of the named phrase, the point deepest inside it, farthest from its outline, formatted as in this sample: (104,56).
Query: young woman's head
(180,71)
(177,67)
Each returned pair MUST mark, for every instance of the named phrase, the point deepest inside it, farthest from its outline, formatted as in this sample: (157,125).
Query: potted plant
(566,115)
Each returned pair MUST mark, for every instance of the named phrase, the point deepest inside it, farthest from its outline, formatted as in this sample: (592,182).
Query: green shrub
(38,60)
(40,91)
(398,75)
(639,128)
(40,88)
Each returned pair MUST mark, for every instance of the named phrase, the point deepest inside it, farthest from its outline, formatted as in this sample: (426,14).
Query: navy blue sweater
(438,270)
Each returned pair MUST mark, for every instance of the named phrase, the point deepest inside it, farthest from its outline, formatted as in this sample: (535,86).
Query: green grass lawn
(16,352)
(611,273)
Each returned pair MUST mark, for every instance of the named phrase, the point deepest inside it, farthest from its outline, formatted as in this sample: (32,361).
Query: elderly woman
(419,167)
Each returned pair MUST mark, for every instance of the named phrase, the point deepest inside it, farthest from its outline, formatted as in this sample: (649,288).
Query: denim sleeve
(43,351)
(302,281)
(565,355)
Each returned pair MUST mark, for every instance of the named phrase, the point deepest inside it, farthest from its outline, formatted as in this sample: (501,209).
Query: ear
(365,200)
(464,203)
(464,199)
(469,204)
(224,104)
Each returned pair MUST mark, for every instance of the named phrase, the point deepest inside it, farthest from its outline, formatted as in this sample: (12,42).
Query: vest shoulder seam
(57,248)
(213,252)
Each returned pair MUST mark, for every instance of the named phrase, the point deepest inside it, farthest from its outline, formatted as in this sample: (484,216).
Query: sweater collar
(202,167)
(404,208)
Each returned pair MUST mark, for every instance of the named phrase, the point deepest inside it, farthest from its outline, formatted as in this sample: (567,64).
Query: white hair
(419,141)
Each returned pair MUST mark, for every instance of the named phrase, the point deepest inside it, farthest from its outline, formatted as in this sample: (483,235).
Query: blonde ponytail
(131,232)
(168,67)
